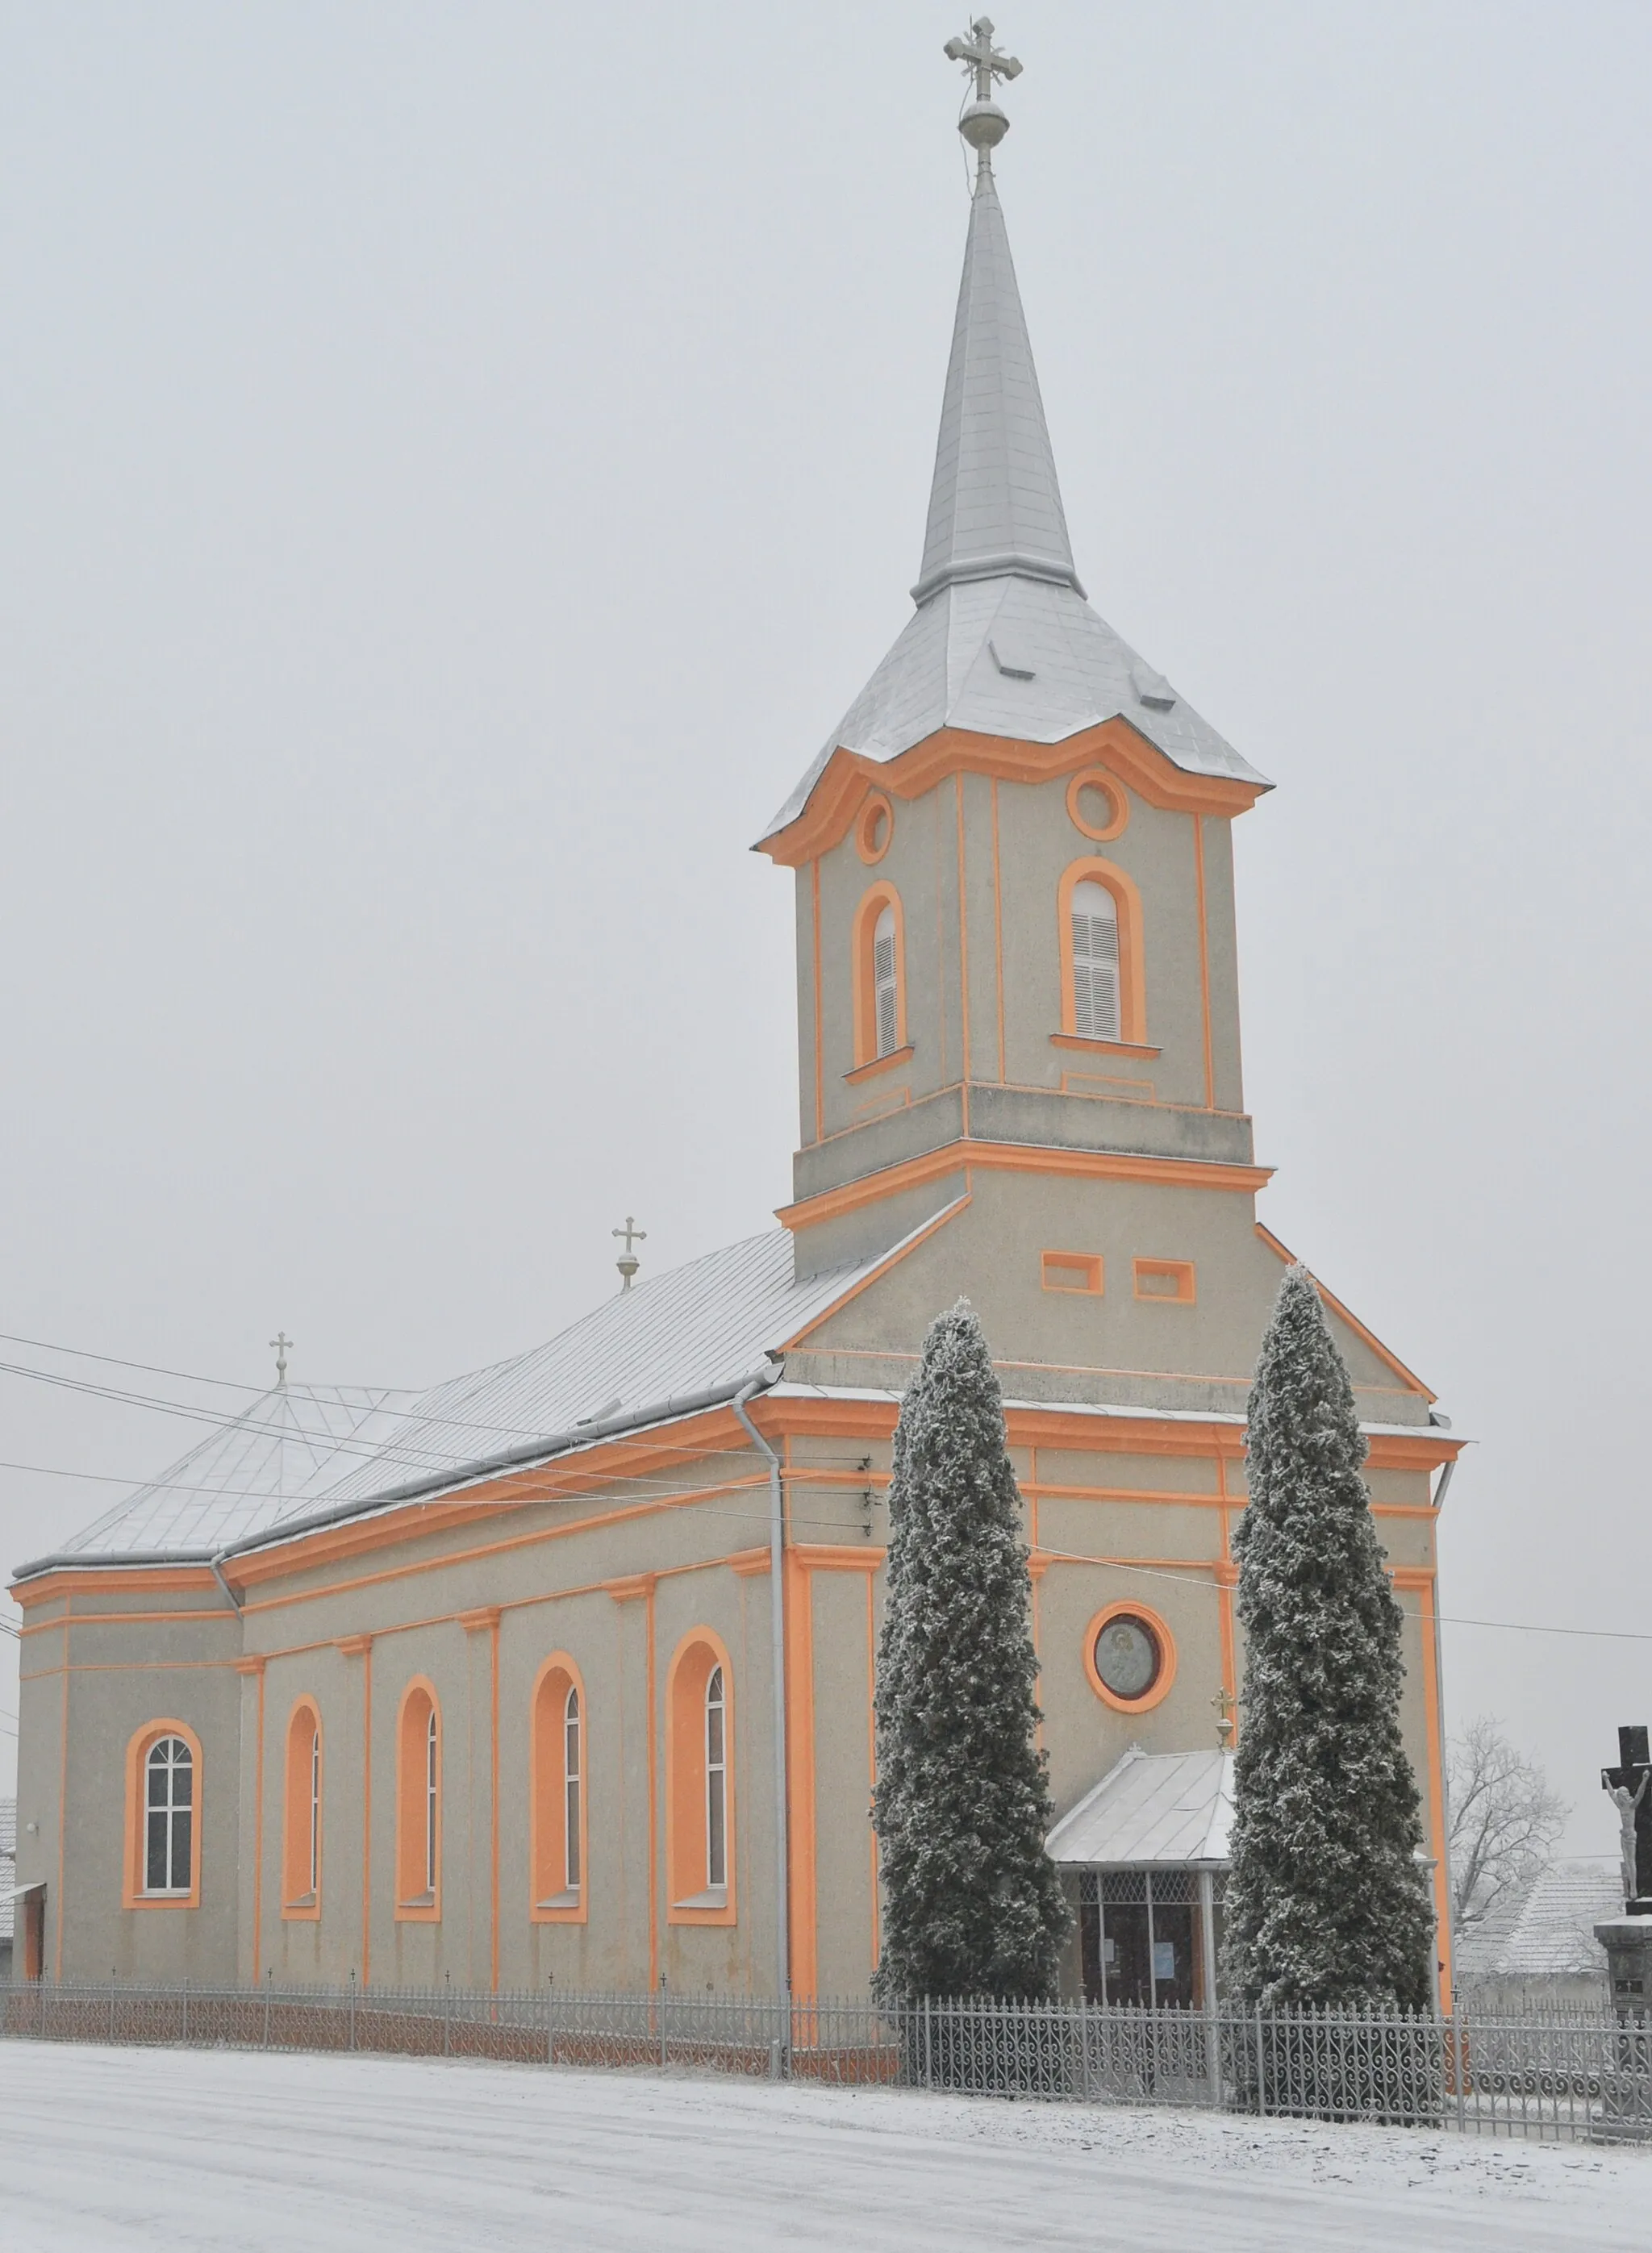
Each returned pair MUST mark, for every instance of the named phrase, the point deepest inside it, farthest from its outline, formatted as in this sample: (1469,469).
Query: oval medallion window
(1130,1656)
(1097,806)
(1127,1657)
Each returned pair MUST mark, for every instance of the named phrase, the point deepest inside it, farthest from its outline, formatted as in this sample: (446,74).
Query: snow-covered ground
(107,2150)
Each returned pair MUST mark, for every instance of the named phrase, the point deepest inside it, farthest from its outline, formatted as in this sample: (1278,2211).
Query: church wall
(1114,1347)
(122,1677)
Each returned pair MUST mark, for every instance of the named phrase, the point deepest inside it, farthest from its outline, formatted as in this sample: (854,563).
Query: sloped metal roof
(1003,642)
(995,500)
(684,1333)
(1546,1931)
(1152,1810)
(673,1343)
(273,1458)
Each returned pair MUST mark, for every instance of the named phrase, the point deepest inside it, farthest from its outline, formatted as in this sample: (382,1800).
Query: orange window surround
(182,1786)
(419,1805)
(1172,1282)
(1146,1625)
(1133,990)
(1073,1270)
(301,1824)
(879,1032)
(558,1783)
(700,1794)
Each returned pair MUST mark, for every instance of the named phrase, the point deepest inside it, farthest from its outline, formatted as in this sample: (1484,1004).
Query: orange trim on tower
(998,930)
(963,921)
(1023,1157)
(820,1030)
(1197,820)
(841,787)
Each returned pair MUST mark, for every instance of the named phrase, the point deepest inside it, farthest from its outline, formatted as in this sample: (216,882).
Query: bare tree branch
(1505,1819)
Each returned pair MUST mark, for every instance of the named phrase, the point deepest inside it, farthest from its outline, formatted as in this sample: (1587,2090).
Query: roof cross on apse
(280,1342)
(983,57)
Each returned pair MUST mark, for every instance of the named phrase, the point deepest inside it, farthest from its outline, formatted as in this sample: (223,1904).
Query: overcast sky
(459,460)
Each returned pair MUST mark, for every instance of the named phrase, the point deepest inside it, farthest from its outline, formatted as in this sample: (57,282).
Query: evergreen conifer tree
(1325,1903)
(972,1904)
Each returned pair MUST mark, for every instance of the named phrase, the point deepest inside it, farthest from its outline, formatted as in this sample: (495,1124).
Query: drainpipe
(216,1564)
(778,1643)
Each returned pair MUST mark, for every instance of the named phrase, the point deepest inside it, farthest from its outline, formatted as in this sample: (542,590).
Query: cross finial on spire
(280,1342)
(627,1263)
(983,123)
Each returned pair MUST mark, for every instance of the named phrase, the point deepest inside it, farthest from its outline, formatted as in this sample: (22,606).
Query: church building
(563,1669)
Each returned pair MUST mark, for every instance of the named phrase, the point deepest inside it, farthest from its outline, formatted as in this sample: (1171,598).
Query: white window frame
(573,1786)
(178,1760)
(716,1782)
(1098,986)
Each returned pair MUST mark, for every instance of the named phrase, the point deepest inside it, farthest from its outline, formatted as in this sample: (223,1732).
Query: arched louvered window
(169,1817)
(886,988)
(1095,955)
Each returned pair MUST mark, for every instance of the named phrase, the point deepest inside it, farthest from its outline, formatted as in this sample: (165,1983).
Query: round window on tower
(1129,1657)
(874,828)
(1097,804)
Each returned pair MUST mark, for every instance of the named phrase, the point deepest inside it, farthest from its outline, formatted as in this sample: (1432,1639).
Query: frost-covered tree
(972,1904)
(1325,1903)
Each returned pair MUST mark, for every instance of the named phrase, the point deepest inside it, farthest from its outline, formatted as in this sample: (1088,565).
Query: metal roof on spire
(995,501)
(1004,642)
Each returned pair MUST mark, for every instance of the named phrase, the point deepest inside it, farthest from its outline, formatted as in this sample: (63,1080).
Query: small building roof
(1547,1929)
(1152,1810)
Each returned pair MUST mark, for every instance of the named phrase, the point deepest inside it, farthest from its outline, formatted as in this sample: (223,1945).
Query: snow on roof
(1151,1809)
(653,1352)
(1003,642)
(1547,1931)
(272,1459)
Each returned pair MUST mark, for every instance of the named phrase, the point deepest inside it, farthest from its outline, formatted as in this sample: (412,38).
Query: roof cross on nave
(982,57)
(281,1342)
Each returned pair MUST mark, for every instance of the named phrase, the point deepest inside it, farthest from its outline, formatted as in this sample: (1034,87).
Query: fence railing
(1557,2077)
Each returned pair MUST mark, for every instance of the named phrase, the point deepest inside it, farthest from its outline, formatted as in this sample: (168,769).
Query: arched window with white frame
(1095,960)
(432,1786)
(169,1817)
(716,1782)
(571,1779)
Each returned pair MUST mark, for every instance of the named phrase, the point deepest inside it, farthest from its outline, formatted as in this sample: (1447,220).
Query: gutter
(777,1653)
(460,1474)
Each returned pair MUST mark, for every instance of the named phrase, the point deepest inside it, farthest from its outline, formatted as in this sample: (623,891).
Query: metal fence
(1570,2075)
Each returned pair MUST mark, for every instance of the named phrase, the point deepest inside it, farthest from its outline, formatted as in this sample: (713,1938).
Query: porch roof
(1152,1810)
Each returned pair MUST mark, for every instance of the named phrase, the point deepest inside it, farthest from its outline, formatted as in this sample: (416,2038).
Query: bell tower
(1015,894)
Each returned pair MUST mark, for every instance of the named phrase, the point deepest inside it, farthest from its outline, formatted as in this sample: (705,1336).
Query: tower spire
(995,507)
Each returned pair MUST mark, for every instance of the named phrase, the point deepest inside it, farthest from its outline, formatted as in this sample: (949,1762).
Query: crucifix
(627,1263)
(1626,1784)
(280,1342)
(1225,1702)
(982,57)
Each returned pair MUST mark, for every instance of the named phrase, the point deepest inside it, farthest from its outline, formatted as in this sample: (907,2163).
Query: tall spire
(995,507)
